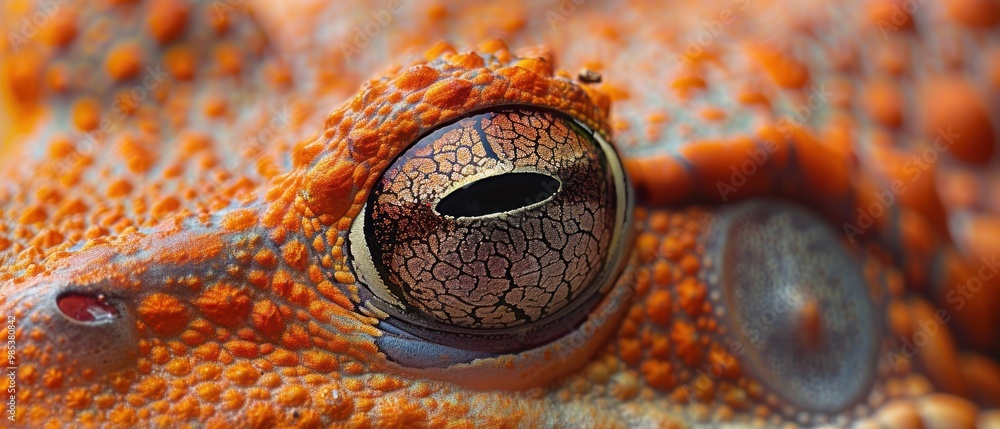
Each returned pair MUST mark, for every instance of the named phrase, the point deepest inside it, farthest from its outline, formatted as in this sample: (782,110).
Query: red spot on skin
(85,307)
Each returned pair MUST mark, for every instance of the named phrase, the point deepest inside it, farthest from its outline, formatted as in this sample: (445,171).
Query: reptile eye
(497,232)
(799,303)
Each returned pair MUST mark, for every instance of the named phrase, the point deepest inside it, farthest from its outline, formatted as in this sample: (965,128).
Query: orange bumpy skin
(181,180)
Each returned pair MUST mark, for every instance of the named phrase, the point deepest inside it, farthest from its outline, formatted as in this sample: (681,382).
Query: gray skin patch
(796,298)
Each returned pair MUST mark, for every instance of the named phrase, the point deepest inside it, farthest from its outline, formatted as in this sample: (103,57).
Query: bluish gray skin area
(780,259)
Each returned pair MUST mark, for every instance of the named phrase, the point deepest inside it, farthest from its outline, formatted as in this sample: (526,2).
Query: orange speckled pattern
(814,242)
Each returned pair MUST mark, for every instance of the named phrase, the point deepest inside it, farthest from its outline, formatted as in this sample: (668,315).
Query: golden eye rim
(374,289)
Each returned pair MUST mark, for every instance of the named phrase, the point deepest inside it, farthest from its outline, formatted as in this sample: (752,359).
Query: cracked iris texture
(501,219)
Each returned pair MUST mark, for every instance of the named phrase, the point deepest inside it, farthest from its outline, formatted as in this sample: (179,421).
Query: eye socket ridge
(427,170)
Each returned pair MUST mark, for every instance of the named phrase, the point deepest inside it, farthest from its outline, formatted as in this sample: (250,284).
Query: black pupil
(498,194)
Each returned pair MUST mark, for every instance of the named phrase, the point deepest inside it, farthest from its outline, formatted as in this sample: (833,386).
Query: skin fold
(811,236)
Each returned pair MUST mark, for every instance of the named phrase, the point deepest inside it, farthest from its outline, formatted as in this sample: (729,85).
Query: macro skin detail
(190,189)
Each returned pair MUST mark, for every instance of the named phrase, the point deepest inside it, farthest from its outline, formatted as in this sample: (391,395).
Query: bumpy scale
(176,214)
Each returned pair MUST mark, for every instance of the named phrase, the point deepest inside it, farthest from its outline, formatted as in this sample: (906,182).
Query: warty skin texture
(180,162)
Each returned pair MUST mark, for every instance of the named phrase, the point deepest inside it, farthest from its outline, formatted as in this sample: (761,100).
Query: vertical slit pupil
(498,194)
